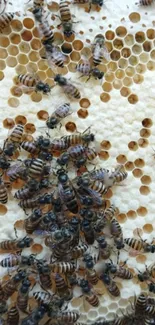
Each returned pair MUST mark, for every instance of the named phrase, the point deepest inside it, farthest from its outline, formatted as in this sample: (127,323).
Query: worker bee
(23,295)
(61,112)
(79,138)
(17,259)
(11,285)
(92,276)
(110,285)
(17,170)
(66,18)
(78,251)
(13,316)
(58,145)
(44,276)
(86,70)
(5,20)
(14,140)
(36,315)
(140,245)
(30,147)
(34,202)
(89,294)
(98,3)
(42,297)
(62,288)
(88,231)
(140,304)
(110,212)
(3,192)
(32,221)
(99,48)
(104,248)
(43,26)
(35,167)
(116,232)
(69,89)
(145,2)
(4,163)
(16,245)
(28,190)
(150,309)
(32,82)
(62,267)
(118,271)
(38,3)
(66,191)
(47,220)
(54,55)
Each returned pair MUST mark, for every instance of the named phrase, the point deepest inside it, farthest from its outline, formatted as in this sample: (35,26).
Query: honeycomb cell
(152,54)
(16,25)
(146,179)
(112,66)
(34,56)
(72,67)
(75,56)
(8,123)
(140,37)
(131,214)
(36,97)
(28,23)
(121,218)
(129,39)
(26,35)
(109,76)
(105,97)
(16,91)
(121,31)
(2,65)
(147,46)
(133,99)
(125,92)
(145,133)
(132,145)
(115,55)
(107,86)
(50,73)
(4,41)
(36,44)
(103,155)
(137,172)
(42,115)
(151,65)
(58,38)
(144,190)
(70,127)
(3,54)
(143,143)
(150,33)
(84,103)
(66,48)
(82,113)
(141,259)
(136,49)
(36,249)
(122,63)
(3,210)
(148,228)
(119,74)
(13,102)
(147,123)
(20,119)
(125,52)
(133,60)
(15,38)
(1,75)
(142,211)
(139,163)
(30,128)
(11,61)
(50,82)
(22,59)
(42,65)
(138,79)
(13,50)
(117,84)
(109,35)
(144,57)
(134,17)
(24,47)
(130,71)
(41,75)
(78,45)
(32,67)
(118,43)
(105,144)
(127,81)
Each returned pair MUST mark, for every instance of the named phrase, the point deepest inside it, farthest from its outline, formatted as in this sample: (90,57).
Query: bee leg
(15,230)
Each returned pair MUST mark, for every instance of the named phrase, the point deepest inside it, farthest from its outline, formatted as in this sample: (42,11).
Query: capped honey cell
(148,228)
(78,45)
(15,38)
(28,23)
(36,44)
(140,37)
(26,35)
(4,41)
(144,190)
(125,92)
(36,97)
(138,79)
(16,25)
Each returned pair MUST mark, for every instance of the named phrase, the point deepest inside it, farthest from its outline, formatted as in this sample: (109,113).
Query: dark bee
(88,231)
(109,178)
(98,48)
(118,271)
(33,83)
(47,220)
(151,287)
(66,18)
(14,140)
(140,304)
(43,26)
(98,3)
(86,70)
(66,191)
(110,285)
(62,288)
(110,212)
(38,3)
(17,259)
(16,245)
(23,295)
(145,2)
(32,221)
(44,276)
(35,317)
(79,138)
(140,245)
(16,171)
(13,316)
(5,20)
(11,286)
(58,145)
(92,276)
(34,202)
(69,89)
(90,295)
(62,267)
(54,55)
(3,192)
(27,191)
(60,113)
(79,251)
(104,248)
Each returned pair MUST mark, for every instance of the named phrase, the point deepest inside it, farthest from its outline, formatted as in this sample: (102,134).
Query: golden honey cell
(133,99)
(132,145)
(115,55)
(141,259)
(82,113)
(13,102)
(42,65)
(11,61)
(138,79)
(3,54)
(41,75)
(140,37)
(134,17)
(36,249)
(84,102)
(28,23)
(105,144)
(105,97)
(140,68)
(130,71)
(151,65)
(13,50)
(121,31)
(146,179)
(16,25)
(42,115)
(32,67)
(8,123)
(119,74)
(137,49)
(112,66)
(4,41)
(109,76)
(144,190)
(20,119)
(30,128)
(3,210)
(137,172)
(15,38)
(104,155)
(117,84)
(36,44)
(150,33)
(125,92)
(24,47)
(131,214)
(109,35)
(36,97)
(143,143)
(139,162)
(121,217)
(142,211)
(107,87)
(147,123)
(122,63)
(72,67)
(70,127)
(147,46)
(34,56)
(145,133)
(78,45)
(148,228)
(133,60)
(75,56)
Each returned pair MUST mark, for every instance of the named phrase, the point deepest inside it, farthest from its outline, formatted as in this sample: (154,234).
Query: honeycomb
(120,111)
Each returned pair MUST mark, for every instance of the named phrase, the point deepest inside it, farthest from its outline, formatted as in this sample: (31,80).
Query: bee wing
(105,53)
(14,168)
(3,4)
(95,196)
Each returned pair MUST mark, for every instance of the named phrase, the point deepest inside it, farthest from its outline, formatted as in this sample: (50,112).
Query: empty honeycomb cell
(30,128)
(32,67)
(117,84)
(78,45)
(72,67)
(70,127)
(134,17)
(13,50)
(102,311)
(28,23)
(1,75)
(22,59)
(20,119)
(112,66)
(24,47)
(41,75)
(13,102)
(140,68)
(148,228)
(50,73)
(121,159)
(75,56)
(109,76)
(146,179)
(35,32)
(16,25)
(2,65)
(105,144)
(150,33)
(8,123)
(119,74)
(140,37)
(82,113)
(26,35)
(15,38)
(115,55)
(147,46)
(85,103)
(3,54)
(133,99)
(126,52)
(103,155)
(121,31)
(144,57)
(144,190)
(130,71)
(66,48)
(42,115)
(108,46)
(141,259)
(105,97)
(11,61)
(132,145)
(143,143)
(131,214)
(4,41)
(125,92)
(145,133)
(36,248)
(133,60)
(136,49)
(107,86)
(36,44)
(118,43)
(152,54)
(109,35)
(137,172)
(36,97)
(129,39)
(138,79)
(50,82)
(151,65)
(121,217)
(34,56)
(122,63)
(42,65)
(147,123)
(3,210)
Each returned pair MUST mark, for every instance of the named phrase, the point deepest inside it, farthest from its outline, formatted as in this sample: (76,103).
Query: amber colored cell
(75,56)
(66,48)
(20,119)
(15,38)
(146,179)
(50,82)
(11,61)
(109,76)
(129,39)
(26,35)
(138,79)
(3,54)
(78,45)
(115,55)
(112,66)
(82,113)
(104,155)
(36,44)
(109,194)
(126,52)
(125,92)
(19,224)
(58,38)
(16,91)
(143,143)
(109,47)
(148,228)
(28,23)
(105,144)
(109,35)
(140,37)
(130,71)
(144,190)
(30,128)
(43,65)
(42,115)
(147,46)
(50,73)
(133,60)
(150,33)
(2,65)
(1,75)
(137,172)
(141,259)
(134,17)
(137,49)
(70,127)
(121,218)
(118,43)
(16,25)
(142,211)
(41,75)
(22,59)
(36,97)
(36,249)
(3,209)
(13,50)
(8,123)
(121,31)
(122,63)
(131,214)
(147,123)
(121,159)
(4,41)
(32,67)
(105,97)
(72,67)
(139,163)
(144,57)
(152,54)
(145,133)
(133,99)
(107,86)
(35,32)
(119,74)
(140,68)
(13,102)
(24,47)
(85,103)
(117,84)
(132,145)
(151,65)
(34,56)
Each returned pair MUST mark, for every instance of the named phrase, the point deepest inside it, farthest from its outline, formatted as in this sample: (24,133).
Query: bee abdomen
(5,20)
(36,168)
(17,133)
(93,300)
(29,147)
(13,316)
(134,243)
(41,296)
(62,267)
(11,261)
(65,12)
(3,194)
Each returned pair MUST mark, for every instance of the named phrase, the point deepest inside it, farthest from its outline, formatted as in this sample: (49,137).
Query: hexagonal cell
(2,65)
(11,61)
(133,60)
(107,86)
(103,155)
(137,172)
(121,159)
(16,25)
(36,97)
(109,35)
(125,92)
(142,211)
(146,180)
(131,214)
(152,54)
(134,17)
(109,76)
(75,56)
(147,122)
(15,38)
(22,59)
(30,128)
(122,63)
(3,209)
(3,54)
(4,41)
(20,69)
(147,46)
(137,49)
(1,75)
(121,31)
(143,143)
(141,259)
(32,67)
(13,50)
(42,65)
(105,97)
(16,91)
(28,23)
(8,123)
(150,33)
(118,43)
(121,218)
(42,115)
(126,52)
(13,102)
(105,144)
(148,228)
(133,99)
(138,79)
(70,127)
(133,145)
(129,39)
(20,119)
(115,55)
(77,45)
(140,68)
(127,81)
(140,37)
(144,190)
(34,56)
(66,48)
(82,113)
(112,66)
(117,84)
(139,163)
(26,35)
(119,74)
(151,65)
(36,44)
(145,133)
(36,249)
(85,103)
(24,47)
(130,71)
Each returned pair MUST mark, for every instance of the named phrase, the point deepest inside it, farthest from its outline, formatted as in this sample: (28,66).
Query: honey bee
(23,295)
(89,294)
(79,251)
(27,191)
(62,267)
(69,89)
(110,285)
(99,49)
(34,202)
(5,20)
(140,245)
(33,83)
(11,285)
(17,259)
(110,212)
(36,315)
(145,2)
(32,221)
(79,138)
(54,55)
(60,113)
(16,245)
(92,276)
(62,288)
(3,192)
(66,18)
(148,320)
(118,271)
(116,232)
(14,140)
(38,3)
(86,70)
(66,191)
(43,26)
(4,163)
(17,170)
(13,316)
(98,3)
(88,231)
(140,304)
(44,276)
